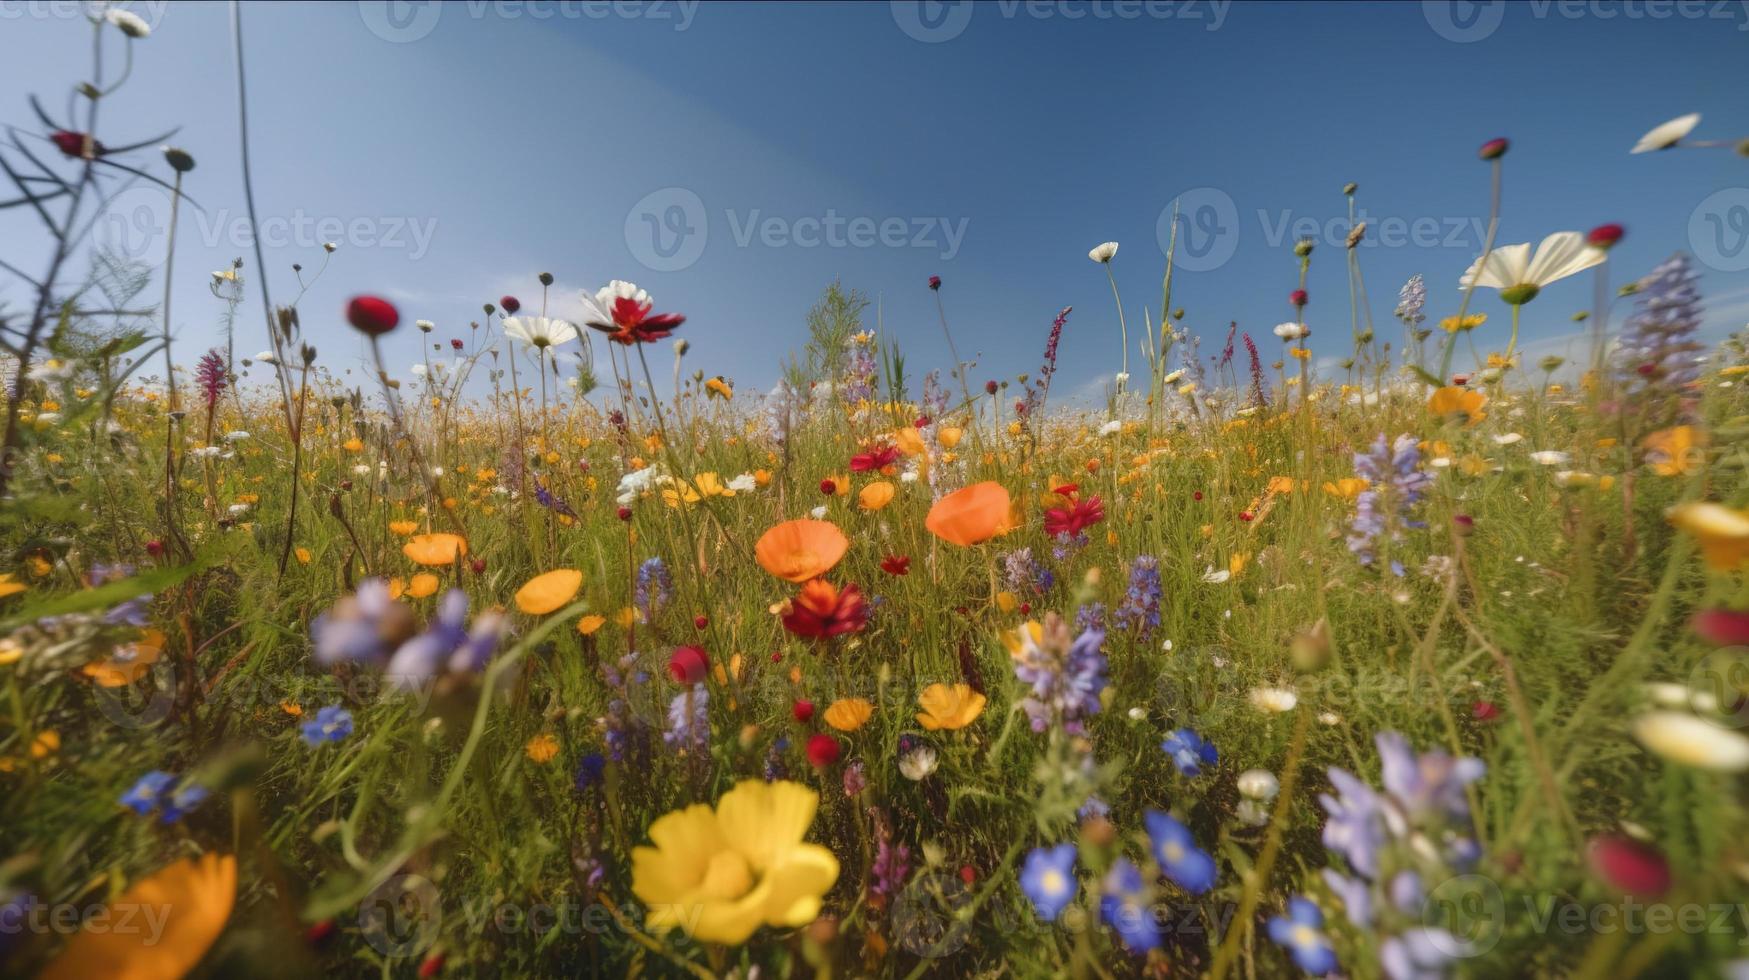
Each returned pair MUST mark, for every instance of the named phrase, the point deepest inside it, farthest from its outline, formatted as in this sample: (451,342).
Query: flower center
(1520,294)
(1305,936)
(1052,883)
(727,876)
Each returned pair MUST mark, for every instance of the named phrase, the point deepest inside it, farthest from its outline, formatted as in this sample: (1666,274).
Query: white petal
(1506,267)
(1665,135)
(1560,255)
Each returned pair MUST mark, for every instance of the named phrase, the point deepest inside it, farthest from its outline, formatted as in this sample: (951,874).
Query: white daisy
(1519,275)
(1292,331)
(1274,700)
(1103,252)
(128,22)
(538,331)
(1690,741)
(1666,135)
(1550,457)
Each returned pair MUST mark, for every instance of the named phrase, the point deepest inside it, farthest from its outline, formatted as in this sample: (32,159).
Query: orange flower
(1675,451)
(195,897)
(1458,401)
(435,549)
(1348,488)
(949,707)
(422,585)
(590,623)
(403,528)
(542,748)
(849,714)
(876,495)
(1723,532)
(545,593)
(801,550)
(970,515)
(128,662)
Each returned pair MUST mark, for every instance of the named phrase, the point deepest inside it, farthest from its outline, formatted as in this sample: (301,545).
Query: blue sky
(704,151)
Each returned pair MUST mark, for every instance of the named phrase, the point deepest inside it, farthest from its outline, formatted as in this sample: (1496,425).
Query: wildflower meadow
(566,653)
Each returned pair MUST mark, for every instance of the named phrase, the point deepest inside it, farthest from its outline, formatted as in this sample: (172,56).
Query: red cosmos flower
(622,311)
(688,665)
(1297,297)
(456,342)
(73,144)
(896,564)
(823,750)
(803,711)
(878,458)
(1484,711)
(372,315)
(1078,516)
(934,282)
(510,304)
(1630,866)
(823,610)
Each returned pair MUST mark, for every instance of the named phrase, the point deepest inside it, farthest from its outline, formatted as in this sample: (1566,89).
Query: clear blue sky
(524,137)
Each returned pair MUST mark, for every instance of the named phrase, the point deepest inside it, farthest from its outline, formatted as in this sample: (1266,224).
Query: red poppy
(880,457)
(1078,516)
(1630,866)
(1722,627)
(372,315)
(510,304)
(896,564)
(688,665)
(629,321)
(823,750)
(823,610)
(1484,711)
(803,711)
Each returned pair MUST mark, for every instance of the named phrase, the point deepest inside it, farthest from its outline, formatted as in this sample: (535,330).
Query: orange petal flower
(801,550)
(195,896)
(949,707)
(128,662)
(435,549)
(545,593)
(1452,400)
(970,515)
(422,585)
(1723,532)
(849,714)
(876,495)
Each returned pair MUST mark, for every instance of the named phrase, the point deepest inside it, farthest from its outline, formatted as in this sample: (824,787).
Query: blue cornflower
(1302,932)
(331,724)
(148,791)
(590,771)
(1048,879)
(1189,866)
(446,644)
(1123,905)
(553,503)
(1189,751)
(182,802)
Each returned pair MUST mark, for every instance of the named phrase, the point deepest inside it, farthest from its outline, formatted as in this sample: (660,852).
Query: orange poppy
(435,549)
(545,593)
(949,706)
(1452,400)
(876,495)
(970,515)
(849,714)
(800,550)
(422,585)
(128,662)
(195,896)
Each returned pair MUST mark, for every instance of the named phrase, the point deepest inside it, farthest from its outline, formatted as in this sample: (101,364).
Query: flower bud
(179,160)
(1494,149)
(1605,236)
(372,315)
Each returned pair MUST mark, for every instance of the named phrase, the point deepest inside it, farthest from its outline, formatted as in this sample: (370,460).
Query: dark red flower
(700,622)
(1463,523)
(877,458)
(625,513)
(803,710)
(1722,627)
(319,931)
(934,282)
(896,564)
(968,874)
(73,144)
(688,665)
(921,421)
(478,565)
(1078,516)
(1067,490)
(372,315)
(1460,380)
(823,750)
(828,486)
(989,387)
(823,610)
(1297,297)
(1484,711)
(456,342)
(1604,236)
(154,547)
(629,321)
(431,966)
(1494,149)
(1630,866)
(510,304)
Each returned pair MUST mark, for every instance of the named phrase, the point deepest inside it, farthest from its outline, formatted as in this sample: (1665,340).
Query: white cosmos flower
(1292,331)
(239,509)
(1103,252)
(745,483)
(1691,741)
(130,23)
(418,370)
(1666,135)
(1258,784)
(1507,439)
(1111,428)
(265,357)
(1216,578)
(51,370)
(539,331)
(1667,695)
(362,469)
(205,452)
(818,513)
(1274,700)
(1550,457)
(425,326)
(1519,275)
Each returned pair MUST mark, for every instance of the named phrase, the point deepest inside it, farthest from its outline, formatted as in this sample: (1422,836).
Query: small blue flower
(1189,752)
(1190,867)
(331,724)
(1302,932)
(148,791)
(182,802)
(1124,906)
(1048,879)
(590,771)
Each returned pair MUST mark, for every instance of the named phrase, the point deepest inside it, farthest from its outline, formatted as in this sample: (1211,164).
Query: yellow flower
(626,616)
(353,445)
(949,707)
(1474,465)
(849,714)
(718,875)
(303,556)
(949,436)
(542,748)
(1723,532)
(545,593)
(1452,324)
(422,585)
(1348,488)
(435,549)
(8,586)
(194,896)
(876,495)
(127,661)
(909,441)
(45,744)
(590,623)
(1676,451)
(1458,401)
(719,388)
